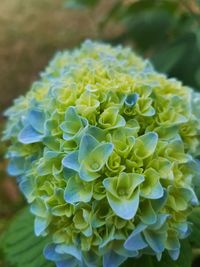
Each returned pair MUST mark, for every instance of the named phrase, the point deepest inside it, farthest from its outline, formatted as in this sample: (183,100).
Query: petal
(151,188)
(40,224)
(78,191)
(148,216)
(26,187)
(145,145)
(87,144)
(172,242)
(73,124)
(86,175)
(157,204)
(97,132)
(72,121)
(129,181)
(161,219)
(110,184)
(71,161)
(36,119)
(124,208)
(110,118)
(72,262)
(29,135)
(16,166)
(112,259)
(135,241)
(98,157)
(70,250)
(90,259)
(156,240)
(121,250)
(38,208)
(174,254)
(162,166)
(131,100)
(51,254)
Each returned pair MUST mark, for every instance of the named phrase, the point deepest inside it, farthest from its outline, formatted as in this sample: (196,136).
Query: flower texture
(105,150)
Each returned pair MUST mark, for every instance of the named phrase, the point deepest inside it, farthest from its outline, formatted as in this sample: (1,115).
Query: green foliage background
(166,31)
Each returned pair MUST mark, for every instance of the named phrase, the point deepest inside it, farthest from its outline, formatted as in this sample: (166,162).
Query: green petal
(144,107)
(111,119)
(98,157)
(87,175)
(151,188)
(145,145)
(148,216)
(88,143)
(172,242)
(73,124)
(128,182)
(162,166)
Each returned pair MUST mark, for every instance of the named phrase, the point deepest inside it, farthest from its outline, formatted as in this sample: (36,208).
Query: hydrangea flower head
(104,149)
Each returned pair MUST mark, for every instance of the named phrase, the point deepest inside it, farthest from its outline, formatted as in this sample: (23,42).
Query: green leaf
(185,259)
(80,3)
(20,245)
(165,59)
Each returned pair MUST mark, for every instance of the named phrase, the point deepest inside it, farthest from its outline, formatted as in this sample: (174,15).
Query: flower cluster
(105,150)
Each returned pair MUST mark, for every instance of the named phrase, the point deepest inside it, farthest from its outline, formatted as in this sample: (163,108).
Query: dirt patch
(31,31)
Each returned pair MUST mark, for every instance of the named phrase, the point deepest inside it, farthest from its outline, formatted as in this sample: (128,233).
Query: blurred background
(31,31)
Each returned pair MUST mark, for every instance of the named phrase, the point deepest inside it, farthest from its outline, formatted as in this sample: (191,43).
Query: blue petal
(126,253)
(70,250)
(88,143)
(174,254)
(161,219)
(156,240)
(157,204)
(26,188)
(50,253)
(157,192)
(135,241)
(40,224)
(71,161)
(131,100)
(16,166)
(72,262)
(112,259)
(124,208)
(60,259)
(77,191)
(38,208)
(29,135)
(36,119)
